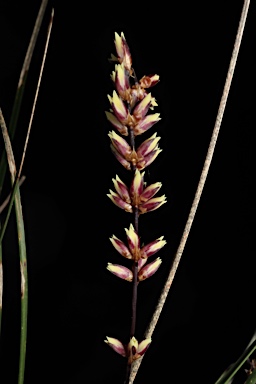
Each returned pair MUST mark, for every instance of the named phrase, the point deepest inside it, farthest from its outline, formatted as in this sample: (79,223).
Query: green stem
(24,285)
(1,286)
(233,369)
(22,250)
(252,378)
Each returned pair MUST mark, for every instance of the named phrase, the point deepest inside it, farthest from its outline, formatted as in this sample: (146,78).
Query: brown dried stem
(208,159)
(37,92)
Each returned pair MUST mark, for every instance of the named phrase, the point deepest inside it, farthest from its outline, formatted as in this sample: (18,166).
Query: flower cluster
(140,255)
(128,157)
(132,351)
(130,105)
(137,196)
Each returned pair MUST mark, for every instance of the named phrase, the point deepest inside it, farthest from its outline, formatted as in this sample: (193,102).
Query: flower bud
(150,191)
(149,269)
(142,108)
(120,247)
(116,123)
(135,350)
(116,345)
(149,81)
(120,271)
(136,187)
(116,199)
(119,108)
(120,144)
(152,204)
(146,123)
(122,82)
(123,51)
(148,146)
(121,189)
(153,247)
(133,242)
(120,158)
(147,160)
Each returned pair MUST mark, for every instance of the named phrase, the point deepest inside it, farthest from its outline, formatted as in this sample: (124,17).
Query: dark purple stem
(135,272)
(135,279)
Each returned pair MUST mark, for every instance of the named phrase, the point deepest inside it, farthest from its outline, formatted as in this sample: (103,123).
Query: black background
(74,302)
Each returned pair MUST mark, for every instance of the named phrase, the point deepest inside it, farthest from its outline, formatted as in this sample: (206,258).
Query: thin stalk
(22,251)
(202,180)
(37,91)
(21,85)
(134,311)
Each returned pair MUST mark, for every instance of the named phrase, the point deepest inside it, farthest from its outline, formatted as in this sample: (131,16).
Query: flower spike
(130,103)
